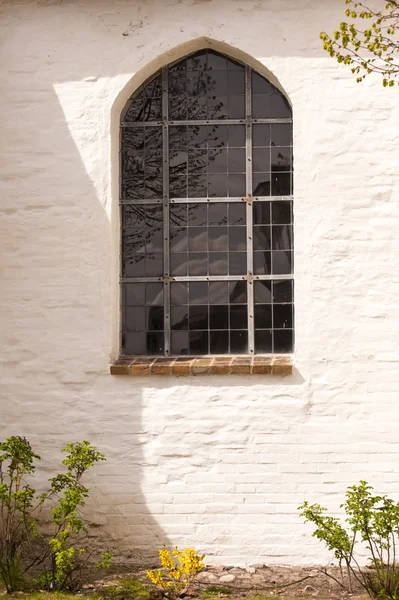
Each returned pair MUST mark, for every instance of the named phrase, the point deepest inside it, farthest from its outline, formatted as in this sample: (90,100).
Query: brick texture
(216,462)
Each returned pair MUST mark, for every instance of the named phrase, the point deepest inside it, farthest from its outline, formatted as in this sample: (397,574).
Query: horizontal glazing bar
(204,278)
(201,122)
(195,200)
(210,200)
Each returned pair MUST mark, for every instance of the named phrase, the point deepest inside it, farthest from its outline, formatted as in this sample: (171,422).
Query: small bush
(372,520)
(179,567)
(25,540)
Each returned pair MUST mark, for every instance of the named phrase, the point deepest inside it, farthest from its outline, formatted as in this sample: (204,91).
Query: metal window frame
(166,202)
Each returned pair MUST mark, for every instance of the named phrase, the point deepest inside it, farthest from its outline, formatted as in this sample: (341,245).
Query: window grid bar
(202,122)
(250,287)
(166,234)
(207,200)
(206,278)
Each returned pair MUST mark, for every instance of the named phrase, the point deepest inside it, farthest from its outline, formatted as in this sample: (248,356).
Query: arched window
(206,200)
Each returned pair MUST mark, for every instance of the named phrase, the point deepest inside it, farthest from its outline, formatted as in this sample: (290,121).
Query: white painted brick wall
(218,463)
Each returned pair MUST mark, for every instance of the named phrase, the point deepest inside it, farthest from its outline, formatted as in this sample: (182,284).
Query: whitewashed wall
(218,463)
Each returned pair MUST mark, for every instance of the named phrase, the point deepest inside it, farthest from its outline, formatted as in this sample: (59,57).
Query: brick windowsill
(212,365)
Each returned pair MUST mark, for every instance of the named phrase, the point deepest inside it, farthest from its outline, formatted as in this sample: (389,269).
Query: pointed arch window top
(207,215)
(206,86)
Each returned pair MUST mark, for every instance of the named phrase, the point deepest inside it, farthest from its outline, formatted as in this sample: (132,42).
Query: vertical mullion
(165,171)
(250,260)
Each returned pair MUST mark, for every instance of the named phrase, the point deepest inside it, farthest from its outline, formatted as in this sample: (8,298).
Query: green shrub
(372,520)
(25,540)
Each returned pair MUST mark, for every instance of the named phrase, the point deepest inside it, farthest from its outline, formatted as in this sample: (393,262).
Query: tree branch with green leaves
(373,48)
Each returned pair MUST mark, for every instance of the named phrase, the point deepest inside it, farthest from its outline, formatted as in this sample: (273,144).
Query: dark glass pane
(262,236)
(281,159)
(155,343)
(261,135)
(197,62)
(196,83)
(198,292)
(217,214)
(218,263)
(217,107)
(261,184)
(283,291)
(196,107)
(237,160)
(197,186)
(217,83)
(281,262)
(260,85)
(236,135)
(217,136)
(282,316)
(218,239)
(198,342)
(177,107)
(281,184)
(238,292)
(197,136)
(281,212)
(197,162)
(236,81)
(179,317)
(281,134)
(281,237)
(134,294)
(262,292)
(237,263)
(154,265)
(216,62)
(198,316)
(177,79)
(178,215)
(263,342)
(219,317)
(133,264)
(283,341)
(217,160)
(134,342)
(154,240)
(236,185)
(261,213)
(219,342)
(280,108)
(153,294)
(237,214)
(261,160)
(197,215)
(178,240)
(152,139)
(217,185)
(197,239)
(238,316)
(179,342)
(178,265)
(132,174)
(218,292)
(178,137)
(177,165)
(178,293)
(152,109)
(261,106)
(236,107)
(262,263)
(197,264)
(134,242)
(237,239)
(135,319)
(263,316)
(154,318)
(178,187)
(238,342)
